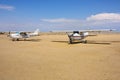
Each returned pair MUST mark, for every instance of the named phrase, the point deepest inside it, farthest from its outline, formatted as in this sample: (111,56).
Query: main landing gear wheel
(85,41)
(70,41)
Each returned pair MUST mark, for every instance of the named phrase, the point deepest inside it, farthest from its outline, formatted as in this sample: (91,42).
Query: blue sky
(48,15)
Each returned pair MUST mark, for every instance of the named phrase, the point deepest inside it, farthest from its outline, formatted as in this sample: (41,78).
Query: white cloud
(59,20)
(104,19)
(101,20)
(98,20)
(104,16)
(6,7)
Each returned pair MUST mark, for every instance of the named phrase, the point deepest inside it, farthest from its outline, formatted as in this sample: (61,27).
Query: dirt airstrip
(50,57)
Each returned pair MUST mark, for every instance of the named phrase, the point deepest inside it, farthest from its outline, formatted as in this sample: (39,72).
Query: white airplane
(23,35)
(81,34)
(77,36)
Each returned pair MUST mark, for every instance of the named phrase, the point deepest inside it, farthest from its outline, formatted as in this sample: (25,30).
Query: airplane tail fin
(35,33)
(86,33)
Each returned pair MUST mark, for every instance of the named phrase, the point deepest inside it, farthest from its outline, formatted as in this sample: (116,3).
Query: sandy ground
(50,57)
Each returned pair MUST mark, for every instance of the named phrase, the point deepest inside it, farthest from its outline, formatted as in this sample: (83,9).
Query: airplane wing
(85,32)
(89,30)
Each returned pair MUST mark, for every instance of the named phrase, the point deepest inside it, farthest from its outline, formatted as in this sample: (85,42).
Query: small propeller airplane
(77,36)
(22,35)
(81,34)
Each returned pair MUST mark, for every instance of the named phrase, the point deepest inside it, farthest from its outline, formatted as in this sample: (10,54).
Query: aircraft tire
(70,41)
(17,39)
(85,41)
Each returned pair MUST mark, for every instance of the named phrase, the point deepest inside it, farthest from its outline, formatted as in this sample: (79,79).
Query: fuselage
(18,36)
(23,35)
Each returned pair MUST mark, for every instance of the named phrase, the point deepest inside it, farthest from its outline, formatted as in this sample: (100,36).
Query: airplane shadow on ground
(114,41)
(88,42)
(98,42)
(31,40)
(103,42)
(60,41)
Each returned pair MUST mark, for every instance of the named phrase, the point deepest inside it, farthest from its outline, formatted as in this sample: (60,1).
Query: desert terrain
(50,57)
